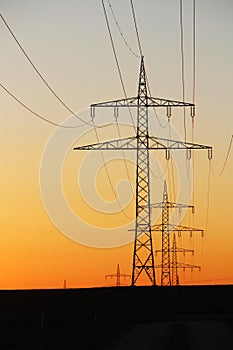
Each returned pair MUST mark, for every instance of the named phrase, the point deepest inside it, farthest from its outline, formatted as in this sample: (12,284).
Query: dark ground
(193,317)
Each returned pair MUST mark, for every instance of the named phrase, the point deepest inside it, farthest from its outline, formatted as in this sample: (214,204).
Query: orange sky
(71,47)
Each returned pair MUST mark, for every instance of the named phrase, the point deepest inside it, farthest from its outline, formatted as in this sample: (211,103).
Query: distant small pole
(118,276)
(64,285)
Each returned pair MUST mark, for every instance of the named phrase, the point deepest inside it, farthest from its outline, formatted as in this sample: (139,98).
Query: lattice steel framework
(118,276)
(169,263)
(142,142)
(143,257)
(165,275)
(174,276)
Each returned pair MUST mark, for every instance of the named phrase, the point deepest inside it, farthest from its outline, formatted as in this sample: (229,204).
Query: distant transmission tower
(117,275)
(169,265)
(142,142)
(175,265)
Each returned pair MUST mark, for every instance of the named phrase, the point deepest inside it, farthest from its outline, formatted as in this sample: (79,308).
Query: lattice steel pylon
(142,142)
(169,263)
(175,281)
(118,276)
(175,265)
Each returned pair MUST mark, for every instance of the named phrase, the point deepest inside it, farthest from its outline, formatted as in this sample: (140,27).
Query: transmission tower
(175,265)
(117,275)
(169,265)
(142,142)
(175,281)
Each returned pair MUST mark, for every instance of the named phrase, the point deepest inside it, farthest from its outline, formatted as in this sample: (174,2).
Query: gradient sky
(69,44)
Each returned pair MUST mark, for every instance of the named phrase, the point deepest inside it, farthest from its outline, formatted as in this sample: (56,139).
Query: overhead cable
(194,92)
(35,113)
(117,62)
(108,176)
(136,27)
(120,31)
(40,75)
(194,51)
(122,83)
(182,64)
(226,160)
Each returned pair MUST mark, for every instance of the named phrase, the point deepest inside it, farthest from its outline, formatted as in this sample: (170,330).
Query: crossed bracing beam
(155,143)
(151,102)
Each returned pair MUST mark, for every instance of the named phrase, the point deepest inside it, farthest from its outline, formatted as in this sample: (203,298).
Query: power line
(117,62)
(93,124)
(225,162)
(183,75)
(171,159)
(140,50)
(194,92)
(139,46)
(208,197)
(45,119)
(108,176)
(35,113)
(41,76)
(147,80)
(182,62)
(194,51)
(122,82)
(154,110)
(120,31)
(58,98)
(136,28)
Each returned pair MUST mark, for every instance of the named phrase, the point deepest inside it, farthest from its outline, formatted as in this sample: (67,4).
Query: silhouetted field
(188,317)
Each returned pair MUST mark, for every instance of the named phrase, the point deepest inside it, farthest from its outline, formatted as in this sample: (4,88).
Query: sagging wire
(182,65)
(120,31)
(136,28)
(208,195)
(122,84)
(225,161)
(193,100)
(117,62)
(108,175)
(44,81)
(35,113)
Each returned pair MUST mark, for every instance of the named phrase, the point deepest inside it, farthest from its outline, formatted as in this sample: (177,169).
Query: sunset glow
(71,47)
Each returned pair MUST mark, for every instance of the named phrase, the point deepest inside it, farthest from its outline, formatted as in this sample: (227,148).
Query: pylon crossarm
(178,250)
(124,102)
(115,275)
(163,102)
(180,206)
(182,228)
(183,250)
(171,205)
(151,102)
(128,143)
(187,266)
(173,227)
(161,143)
(111,275)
